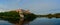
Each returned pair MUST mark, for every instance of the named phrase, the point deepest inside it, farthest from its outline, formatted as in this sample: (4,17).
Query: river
(38,21)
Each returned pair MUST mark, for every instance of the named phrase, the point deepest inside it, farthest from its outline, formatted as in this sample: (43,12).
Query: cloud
(2,7)
(42,7)
(11,4)
(35,6)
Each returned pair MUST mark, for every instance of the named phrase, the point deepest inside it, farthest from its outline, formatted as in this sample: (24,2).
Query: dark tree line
(56,15)
(13,16)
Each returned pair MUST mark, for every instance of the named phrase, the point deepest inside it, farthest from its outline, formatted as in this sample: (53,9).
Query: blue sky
(35,6)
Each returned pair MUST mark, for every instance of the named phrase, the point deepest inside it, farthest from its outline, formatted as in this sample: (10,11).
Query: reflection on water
(2,22)
(38,21)
(46,21)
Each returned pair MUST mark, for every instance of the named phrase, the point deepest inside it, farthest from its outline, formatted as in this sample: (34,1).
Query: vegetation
(13,16)
(56,15)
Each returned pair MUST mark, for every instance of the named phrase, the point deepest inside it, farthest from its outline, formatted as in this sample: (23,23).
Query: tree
(13,16)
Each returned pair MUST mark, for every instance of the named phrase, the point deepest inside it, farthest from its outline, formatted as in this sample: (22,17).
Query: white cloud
(41,7)
(2,7)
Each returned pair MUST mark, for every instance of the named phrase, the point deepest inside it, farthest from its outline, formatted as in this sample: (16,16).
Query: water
(38,21)
(2,22)
(45,21)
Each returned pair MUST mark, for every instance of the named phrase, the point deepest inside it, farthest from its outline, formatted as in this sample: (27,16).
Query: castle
(23,11)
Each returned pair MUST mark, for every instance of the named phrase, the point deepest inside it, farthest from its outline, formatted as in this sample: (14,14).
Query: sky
(35,6)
